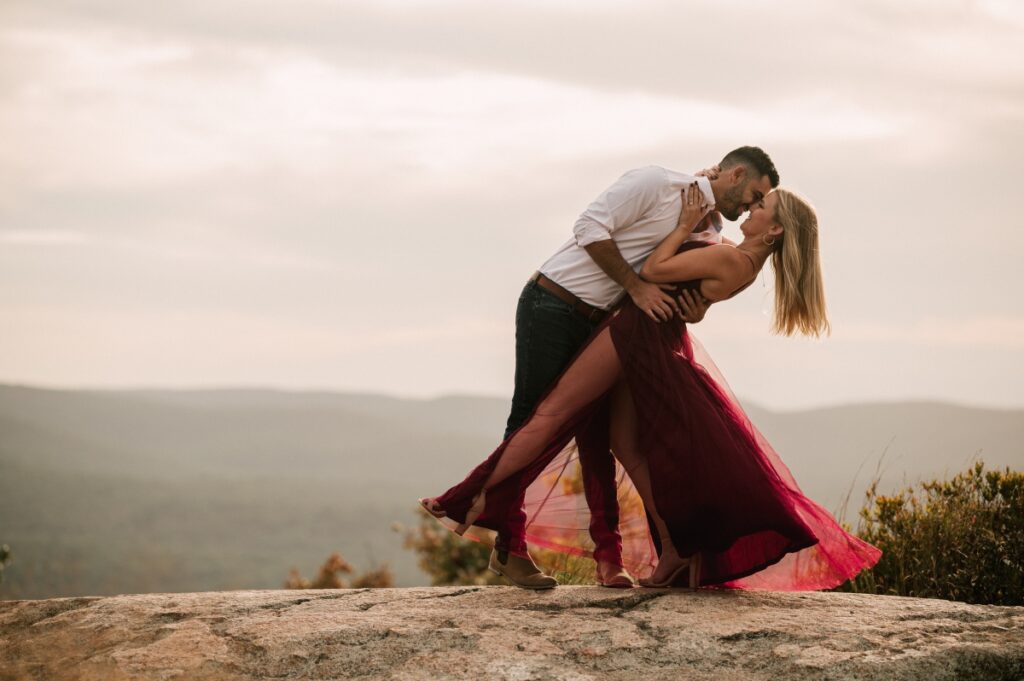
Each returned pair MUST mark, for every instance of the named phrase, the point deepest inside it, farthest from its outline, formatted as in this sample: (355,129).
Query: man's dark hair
(754,158)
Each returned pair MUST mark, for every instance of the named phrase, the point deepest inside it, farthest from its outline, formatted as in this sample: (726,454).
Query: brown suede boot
(522,572)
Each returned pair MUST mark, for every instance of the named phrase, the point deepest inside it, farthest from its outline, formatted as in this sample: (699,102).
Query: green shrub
(5,558)
(445,556)
(377,577)
(959,539)
(450,559)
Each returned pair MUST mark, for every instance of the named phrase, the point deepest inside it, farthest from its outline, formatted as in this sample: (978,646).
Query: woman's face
(761,217)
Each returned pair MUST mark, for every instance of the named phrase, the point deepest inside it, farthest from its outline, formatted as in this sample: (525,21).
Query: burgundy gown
(717,483)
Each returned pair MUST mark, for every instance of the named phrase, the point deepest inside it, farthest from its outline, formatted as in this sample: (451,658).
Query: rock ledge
(495,632)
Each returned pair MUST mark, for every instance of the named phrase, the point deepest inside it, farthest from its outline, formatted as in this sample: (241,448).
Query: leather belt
(585,310)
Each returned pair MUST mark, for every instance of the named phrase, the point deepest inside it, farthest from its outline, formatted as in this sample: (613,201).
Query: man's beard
(730,204)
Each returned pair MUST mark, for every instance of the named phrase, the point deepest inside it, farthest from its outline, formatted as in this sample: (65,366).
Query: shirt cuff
(588,234)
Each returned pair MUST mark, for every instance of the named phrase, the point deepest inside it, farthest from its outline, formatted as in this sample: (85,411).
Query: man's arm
(625,202)
(649,297)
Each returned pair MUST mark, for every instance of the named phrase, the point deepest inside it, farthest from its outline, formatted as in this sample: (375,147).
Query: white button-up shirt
(639,210)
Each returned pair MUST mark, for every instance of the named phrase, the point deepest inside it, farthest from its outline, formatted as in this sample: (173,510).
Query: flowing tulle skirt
(718,484)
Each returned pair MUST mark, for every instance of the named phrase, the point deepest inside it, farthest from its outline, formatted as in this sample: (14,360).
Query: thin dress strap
(752,279)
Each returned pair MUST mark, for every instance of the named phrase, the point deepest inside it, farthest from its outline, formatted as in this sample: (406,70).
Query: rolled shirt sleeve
(622,204)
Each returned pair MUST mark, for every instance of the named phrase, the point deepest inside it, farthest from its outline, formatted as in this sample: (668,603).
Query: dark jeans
(549,333)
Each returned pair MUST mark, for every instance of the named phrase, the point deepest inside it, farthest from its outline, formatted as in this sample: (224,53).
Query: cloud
(42,237)
(729,50)
(113,115)
(967,334)
(338,177)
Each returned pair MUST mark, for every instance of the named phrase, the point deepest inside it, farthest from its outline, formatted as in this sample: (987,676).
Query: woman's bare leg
(587,378)
(623,440)
(623,437)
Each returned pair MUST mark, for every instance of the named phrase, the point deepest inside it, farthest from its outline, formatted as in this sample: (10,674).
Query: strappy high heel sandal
(479,503)
(692,563)
(429,504)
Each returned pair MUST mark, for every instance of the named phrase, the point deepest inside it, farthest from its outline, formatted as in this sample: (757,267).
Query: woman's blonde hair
(799,291)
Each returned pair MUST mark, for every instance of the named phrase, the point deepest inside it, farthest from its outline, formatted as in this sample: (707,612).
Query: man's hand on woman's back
(653,300)
(692,306)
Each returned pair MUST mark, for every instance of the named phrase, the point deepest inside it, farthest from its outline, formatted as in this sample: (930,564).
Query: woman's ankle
(668,550)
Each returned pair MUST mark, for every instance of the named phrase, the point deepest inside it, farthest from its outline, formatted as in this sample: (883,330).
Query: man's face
(738,198)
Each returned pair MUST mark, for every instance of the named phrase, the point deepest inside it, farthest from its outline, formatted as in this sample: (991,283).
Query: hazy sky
(350,195)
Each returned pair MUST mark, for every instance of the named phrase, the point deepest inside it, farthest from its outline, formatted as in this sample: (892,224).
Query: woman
(718,503)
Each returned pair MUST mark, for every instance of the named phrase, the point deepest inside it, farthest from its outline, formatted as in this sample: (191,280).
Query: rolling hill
(131,491)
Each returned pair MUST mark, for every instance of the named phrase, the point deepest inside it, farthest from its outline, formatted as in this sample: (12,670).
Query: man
(576,287)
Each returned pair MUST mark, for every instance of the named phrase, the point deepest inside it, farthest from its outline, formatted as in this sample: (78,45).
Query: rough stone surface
(495,632)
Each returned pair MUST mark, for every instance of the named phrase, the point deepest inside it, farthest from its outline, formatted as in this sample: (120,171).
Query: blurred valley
(107,492)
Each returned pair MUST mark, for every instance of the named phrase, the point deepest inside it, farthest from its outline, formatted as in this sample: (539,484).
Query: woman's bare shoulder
(728,255)
(732,269)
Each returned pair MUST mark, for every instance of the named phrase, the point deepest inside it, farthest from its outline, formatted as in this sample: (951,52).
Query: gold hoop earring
(764,238)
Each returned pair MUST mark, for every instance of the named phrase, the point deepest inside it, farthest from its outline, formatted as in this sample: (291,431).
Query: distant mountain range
(124,491)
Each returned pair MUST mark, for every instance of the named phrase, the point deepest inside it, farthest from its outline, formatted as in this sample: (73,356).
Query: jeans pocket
(550,304)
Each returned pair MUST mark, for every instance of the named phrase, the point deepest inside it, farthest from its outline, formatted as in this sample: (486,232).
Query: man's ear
(737,173)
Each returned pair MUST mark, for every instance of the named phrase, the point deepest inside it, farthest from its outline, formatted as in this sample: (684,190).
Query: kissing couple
(624,443)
